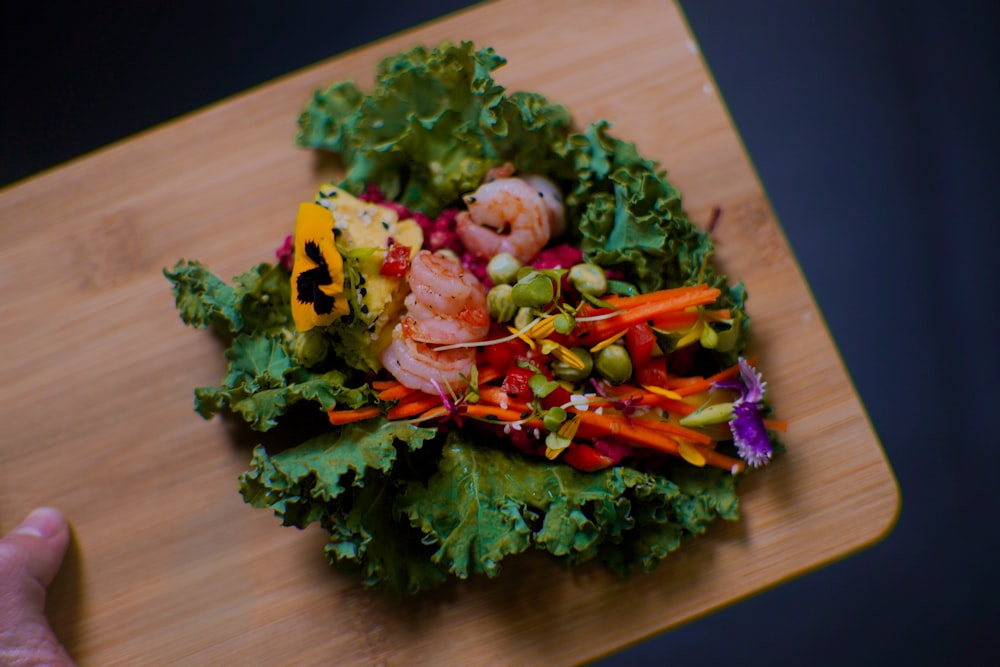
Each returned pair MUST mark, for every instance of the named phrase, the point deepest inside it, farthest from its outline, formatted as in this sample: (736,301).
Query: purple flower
(747,422)
(750,435)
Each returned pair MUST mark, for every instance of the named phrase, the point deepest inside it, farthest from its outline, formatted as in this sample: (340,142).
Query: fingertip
(42,522)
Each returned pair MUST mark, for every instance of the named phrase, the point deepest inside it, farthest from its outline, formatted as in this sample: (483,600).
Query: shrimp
(505,215)
(446,304)
(442,284)
(418,366)
(549,192)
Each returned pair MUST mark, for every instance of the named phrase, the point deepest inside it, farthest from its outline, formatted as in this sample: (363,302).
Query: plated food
(514,336)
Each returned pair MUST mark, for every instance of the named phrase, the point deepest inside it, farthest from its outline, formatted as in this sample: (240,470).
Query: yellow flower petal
(690,454)
(662,391)
(318,269)
(608,341)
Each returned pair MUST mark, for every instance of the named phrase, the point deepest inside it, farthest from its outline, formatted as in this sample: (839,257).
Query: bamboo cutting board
(169,566)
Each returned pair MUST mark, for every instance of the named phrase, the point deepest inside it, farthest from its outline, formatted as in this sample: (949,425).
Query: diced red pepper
(640,342)
(516,382)
(397,261)
(498,356)
(585,458)
(559,396)
(652,373)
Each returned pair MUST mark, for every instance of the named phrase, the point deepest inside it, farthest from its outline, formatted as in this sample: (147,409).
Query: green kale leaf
(434,124)
(258,300)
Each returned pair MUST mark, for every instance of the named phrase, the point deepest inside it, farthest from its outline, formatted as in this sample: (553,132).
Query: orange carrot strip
(601,329)
(338,417)
(680,319)
(488,374)
(657,296)
(706,383)
(494,395)
(411,406)
(653,438)
(379,385)
(395,393)
(495,413)
(622,426)
(776,425)
(679,381)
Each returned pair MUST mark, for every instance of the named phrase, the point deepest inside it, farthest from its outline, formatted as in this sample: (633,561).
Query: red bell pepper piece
(515,383)
(640,342)
(397,261)
(652,373)
(585,458)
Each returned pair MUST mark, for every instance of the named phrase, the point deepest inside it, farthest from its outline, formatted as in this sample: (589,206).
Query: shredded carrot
(338,417)
(494,395)
(644,312)
(640,434)
(488,374)
(674,293)
(671,428)
(647,397)
(776,425)
(495,413)
(681,319)
(413,405)
(379,385)
(395,393)
(706,383)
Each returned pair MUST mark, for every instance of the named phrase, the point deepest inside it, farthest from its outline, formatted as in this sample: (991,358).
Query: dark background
(873,126)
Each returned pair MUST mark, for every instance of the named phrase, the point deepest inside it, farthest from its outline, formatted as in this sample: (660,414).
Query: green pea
(564,323)
(614,364)
(588,279)
(564,371)
(503,268)
(533,290)
(501,303)
(310,348)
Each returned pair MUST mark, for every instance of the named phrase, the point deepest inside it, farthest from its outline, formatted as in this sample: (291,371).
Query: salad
(496,333)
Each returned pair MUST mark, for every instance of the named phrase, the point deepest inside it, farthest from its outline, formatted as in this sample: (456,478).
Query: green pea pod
(707,416)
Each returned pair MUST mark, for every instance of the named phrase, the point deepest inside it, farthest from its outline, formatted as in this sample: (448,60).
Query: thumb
(37,546)
(30,557)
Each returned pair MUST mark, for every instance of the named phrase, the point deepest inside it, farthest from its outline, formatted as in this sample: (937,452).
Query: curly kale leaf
(345,480)
(257,300)
(476,517)
(434,123)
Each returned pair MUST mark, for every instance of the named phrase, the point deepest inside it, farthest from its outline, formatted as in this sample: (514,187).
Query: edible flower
(747,422)
(317,272)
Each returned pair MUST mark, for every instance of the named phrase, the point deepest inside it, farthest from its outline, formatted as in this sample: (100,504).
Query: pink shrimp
(440,282)
(446,304)
(418,366)
(505,215)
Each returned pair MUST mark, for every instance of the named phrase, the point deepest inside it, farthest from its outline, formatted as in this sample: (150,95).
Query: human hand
(30,557)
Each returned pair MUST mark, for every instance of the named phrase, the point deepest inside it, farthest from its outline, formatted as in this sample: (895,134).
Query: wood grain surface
(169,566)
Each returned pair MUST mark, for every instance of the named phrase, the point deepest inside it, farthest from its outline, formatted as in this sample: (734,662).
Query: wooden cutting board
(169,566)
